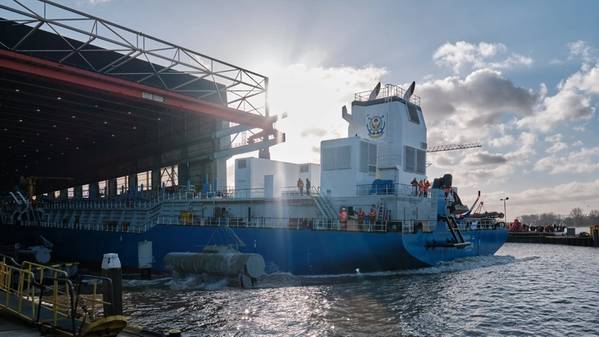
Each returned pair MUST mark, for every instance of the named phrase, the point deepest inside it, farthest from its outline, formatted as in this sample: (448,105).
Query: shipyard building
(91,109)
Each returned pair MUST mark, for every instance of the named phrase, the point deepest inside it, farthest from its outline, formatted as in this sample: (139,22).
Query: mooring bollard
(113,293)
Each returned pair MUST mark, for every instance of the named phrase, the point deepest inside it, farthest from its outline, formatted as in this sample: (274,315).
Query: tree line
(577,217)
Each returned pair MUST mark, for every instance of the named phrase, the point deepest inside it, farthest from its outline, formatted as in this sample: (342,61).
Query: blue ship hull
(301,251)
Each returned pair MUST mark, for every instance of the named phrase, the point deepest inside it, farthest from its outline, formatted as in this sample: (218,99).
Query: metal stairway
(452,225)
(324,205)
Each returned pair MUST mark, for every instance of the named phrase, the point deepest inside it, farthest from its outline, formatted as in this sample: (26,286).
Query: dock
(550,238)
(10,326)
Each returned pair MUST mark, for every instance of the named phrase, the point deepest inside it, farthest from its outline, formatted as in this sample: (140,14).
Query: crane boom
(452,147)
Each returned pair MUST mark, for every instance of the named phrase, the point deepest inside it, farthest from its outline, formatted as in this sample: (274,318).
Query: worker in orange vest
(427,185)
(361,216)
(300,186)
(372,216)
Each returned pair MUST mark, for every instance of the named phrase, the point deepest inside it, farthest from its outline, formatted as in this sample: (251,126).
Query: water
(524,290)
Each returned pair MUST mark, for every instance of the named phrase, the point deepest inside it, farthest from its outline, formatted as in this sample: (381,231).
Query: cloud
(472,104)
(502,141)
(585,160)
(581,50)
(573,191)
(556,143)
(314,132)
(463,55)
(484,158)
(572,102)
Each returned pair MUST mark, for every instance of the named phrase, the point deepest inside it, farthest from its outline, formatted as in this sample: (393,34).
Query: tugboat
(356,210)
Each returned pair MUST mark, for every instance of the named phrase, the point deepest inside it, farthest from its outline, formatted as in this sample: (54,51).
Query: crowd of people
(517,226)
(420,187)
(361,217)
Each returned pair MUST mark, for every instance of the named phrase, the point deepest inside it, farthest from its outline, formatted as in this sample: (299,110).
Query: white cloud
(502,141)
(584,160)
(572,102)
(581,49)
(556,143)
(463,55)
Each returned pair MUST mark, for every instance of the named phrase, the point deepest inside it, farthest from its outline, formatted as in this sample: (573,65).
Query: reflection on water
(526,290)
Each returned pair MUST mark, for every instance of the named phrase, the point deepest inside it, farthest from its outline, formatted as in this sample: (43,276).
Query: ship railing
(271,222)
(388,91)
(108,226)
(394,190)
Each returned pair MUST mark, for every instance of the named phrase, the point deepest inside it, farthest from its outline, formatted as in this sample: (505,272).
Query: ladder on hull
(458,238)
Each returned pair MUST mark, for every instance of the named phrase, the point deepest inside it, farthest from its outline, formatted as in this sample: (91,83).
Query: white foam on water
(281,279)
(146,283)
(457,265)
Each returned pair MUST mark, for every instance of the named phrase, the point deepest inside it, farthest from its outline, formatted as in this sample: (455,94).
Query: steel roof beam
(125,89)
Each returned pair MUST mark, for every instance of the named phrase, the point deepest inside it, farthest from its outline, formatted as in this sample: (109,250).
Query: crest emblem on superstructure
(376,126)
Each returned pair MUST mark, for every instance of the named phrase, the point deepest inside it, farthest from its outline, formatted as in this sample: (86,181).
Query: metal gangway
(45,296)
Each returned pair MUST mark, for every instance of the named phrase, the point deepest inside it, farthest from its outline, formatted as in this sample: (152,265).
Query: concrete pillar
(78,192)
(197,174)
(132,183)
(221,173)
(183,174)
(111,187)
(94,190)
(156,179)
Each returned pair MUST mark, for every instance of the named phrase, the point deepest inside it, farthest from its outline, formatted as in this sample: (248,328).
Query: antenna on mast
(375,92)
(409,92)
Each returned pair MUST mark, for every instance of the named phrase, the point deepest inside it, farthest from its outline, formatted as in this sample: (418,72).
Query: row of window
(168,177)
(339,158)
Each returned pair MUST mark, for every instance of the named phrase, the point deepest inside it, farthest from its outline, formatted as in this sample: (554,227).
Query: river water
(524,290)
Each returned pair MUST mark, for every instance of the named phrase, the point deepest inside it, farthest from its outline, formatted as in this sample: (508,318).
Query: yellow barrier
(45,295)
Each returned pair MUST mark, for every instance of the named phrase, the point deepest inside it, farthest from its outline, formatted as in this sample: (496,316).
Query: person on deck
(343,218)
(421,188)
(414,184)
(361,216)
(372,216)
(427,186)
(300,186)
(308,186)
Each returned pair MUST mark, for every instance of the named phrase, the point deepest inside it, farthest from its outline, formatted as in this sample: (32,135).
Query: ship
(361,211)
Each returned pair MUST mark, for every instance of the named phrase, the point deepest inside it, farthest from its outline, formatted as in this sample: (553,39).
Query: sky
(520,77)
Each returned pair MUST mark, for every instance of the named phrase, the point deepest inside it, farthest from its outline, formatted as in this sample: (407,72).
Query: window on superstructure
(367,157)
(413,113)
(420,161)
(241,163)
(169,176)
(336,158)
(70,192)
(85,191)
(144,181)
(410,159)
(56,194)
(122,184)
(304,168)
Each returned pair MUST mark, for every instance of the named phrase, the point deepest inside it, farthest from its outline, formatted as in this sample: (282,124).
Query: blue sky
(521,77)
